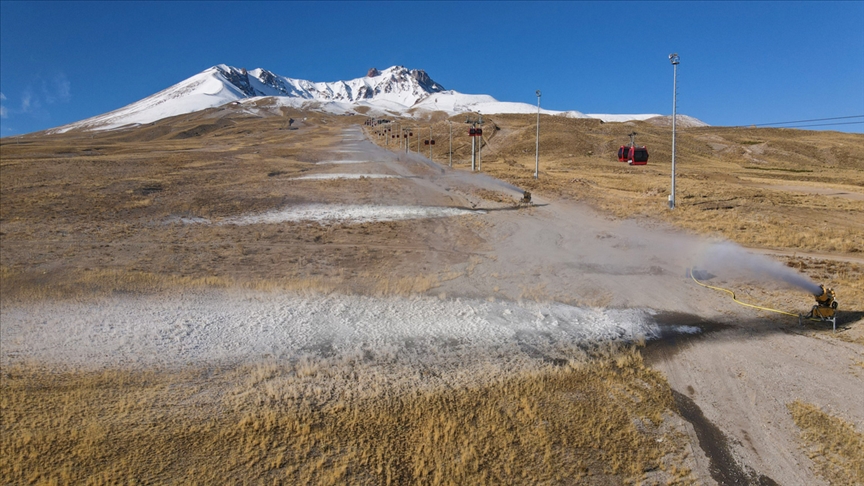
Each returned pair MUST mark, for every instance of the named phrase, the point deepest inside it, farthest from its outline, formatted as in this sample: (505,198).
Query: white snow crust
(348,214)
(621,118)
(234,326)
(346,162)
(343,176)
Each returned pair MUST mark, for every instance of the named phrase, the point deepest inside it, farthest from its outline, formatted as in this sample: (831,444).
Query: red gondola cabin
(637,156)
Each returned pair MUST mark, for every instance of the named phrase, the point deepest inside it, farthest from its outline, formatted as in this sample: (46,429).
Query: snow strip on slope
(344,213)
(232,326)
(343,176)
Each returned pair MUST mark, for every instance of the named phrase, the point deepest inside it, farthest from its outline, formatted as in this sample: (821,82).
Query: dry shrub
(836,448)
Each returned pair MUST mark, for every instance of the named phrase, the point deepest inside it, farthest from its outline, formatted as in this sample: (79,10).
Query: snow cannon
(826,306)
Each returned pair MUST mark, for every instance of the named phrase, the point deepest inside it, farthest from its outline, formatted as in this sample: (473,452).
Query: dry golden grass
(95,213)
(82,201)
(85,214)
(21,287)
(732,183)
(729,180)
(836,448)
(78,284)
(596,420)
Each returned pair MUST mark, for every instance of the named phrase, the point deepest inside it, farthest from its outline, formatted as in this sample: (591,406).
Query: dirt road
(742,378)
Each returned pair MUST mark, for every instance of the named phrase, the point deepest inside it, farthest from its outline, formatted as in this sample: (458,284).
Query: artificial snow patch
(186,220)
(351,214)
(343,176)
(345,162)
(231,326)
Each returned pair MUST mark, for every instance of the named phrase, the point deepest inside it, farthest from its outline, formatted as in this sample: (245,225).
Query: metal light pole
(537,148)
(473,152)
(430,142)
(451,142)
(480,145)
(673,58)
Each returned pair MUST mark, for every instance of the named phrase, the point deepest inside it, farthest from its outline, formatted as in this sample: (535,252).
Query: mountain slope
(396,91)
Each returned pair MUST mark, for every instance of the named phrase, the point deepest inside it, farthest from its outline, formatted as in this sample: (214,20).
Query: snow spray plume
(725,258)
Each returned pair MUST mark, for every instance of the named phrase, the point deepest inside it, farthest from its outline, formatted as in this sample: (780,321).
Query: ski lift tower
(475,132)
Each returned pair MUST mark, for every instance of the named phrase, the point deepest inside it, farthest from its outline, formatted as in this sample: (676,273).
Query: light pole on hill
(451,142)
(673,58)
(537,148)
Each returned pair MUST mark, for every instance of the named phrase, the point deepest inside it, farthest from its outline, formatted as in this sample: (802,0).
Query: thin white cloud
(58,89)
(37,96)
(26,101)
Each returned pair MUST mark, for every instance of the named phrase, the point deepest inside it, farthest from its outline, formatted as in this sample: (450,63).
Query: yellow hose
(745,303)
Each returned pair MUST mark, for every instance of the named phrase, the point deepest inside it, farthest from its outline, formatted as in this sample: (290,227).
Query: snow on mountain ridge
(396,83)
(393,91)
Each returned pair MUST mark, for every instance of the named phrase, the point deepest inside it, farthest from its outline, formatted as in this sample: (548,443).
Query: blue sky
(742,63)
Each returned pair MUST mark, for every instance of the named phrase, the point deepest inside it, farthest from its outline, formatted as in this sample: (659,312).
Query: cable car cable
(824,124)
(791,126)
(806,121)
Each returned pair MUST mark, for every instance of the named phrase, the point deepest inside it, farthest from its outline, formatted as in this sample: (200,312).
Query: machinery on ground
(826,307)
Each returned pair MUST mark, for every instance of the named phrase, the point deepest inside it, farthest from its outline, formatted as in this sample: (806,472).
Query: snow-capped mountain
(393,91)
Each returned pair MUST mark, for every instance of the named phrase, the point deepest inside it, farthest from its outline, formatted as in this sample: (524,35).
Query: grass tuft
(832,443)
(337,420)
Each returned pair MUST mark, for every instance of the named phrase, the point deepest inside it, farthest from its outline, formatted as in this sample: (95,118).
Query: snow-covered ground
(347,213)
(242,326)
(318,177)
